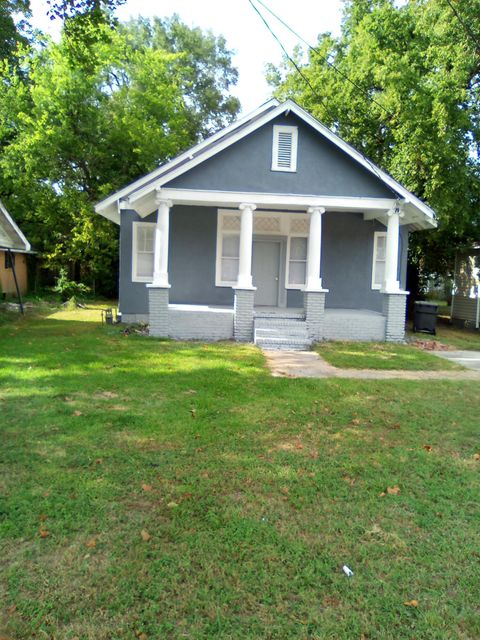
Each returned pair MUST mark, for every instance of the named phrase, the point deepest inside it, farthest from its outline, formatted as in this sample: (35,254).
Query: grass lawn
(157,490)
(380,355)
(454,336)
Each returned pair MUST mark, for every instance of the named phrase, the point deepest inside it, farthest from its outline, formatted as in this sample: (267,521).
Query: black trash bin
(425,317)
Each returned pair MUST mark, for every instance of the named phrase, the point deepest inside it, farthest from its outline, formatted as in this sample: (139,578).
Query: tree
(80,128)
(405,91)
(13,32)
(65,9)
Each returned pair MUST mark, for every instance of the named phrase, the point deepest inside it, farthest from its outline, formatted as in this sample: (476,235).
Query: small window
(379,259)
(297,263)
(229,261)
(142,251)
(9,260)
(284,150)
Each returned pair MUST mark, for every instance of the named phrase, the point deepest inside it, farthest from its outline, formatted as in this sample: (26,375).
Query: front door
(266,271)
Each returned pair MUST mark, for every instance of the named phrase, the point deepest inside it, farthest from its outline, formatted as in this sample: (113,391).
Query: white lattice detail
(266,224)
(299,226)
(231,223)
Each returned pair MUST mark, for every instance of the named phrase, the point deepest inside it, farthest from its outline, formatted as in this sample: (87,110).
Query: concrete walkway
(468,359)
(308,364)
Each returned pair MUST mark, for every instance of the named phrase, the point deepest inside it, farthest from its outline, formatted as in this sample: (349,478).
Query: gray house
(273,230)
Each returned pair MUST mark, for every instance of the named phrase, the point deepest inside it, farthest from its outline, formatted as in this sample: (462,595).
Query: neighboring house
(13,262)
(465,309)
(274,230)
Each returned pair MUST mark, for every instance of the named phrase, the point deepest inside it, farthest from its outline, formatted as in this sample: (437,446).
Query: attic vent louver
(284,151)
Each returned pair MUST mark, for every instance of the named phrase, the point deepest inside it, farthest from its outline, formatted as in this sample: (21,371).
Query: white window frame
(136,226)
(277,128)
(376,236)
(298,287)
(220,233)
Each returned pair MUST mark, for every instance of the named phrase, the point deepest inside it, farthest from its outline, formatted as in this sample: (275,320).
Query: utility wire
(325,58)
(313,90)
(292,62)
(466,26)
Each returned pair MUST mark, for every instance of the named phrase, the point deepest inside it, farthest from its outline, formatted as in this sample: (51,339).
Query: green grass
(380,355)
(254,491)
(456,337)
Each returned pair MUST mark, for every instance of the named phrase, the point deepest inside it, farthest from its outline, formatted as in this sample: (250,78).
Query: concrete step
(283,344)
(284,333)
(300,332)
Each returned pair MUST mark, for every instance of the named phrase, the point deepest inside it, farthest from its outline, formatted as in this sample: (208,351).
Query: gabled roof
(10,235)
(132,194)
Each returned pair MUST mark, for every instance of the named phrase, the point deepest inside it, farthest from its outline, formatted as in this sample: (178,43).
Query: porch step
(281,333)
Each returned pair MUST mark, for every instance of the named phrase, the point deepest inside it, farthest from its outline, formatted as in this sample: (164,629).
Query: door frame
(282,241)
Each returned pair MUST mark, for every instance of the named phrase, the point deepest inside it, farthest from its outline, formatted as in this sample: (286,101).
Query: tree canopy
(81,118)
(401,84)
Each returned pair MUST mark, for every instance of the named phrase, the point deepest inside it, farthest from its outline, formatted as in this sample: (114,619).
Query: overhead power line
(292,61)
(325,58)
(465,25)
(312,88)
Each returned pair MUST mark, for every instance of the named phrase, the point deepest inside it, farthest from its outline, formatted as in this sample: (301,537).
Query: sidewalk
(308,364)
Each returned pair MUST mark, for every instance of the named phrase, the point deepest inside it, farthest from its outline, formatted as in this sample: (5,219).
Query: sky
(242,28)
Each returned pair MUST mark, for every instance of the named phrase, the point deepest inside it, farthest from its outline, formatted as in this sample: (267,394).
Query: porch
(271,260)
(273,327)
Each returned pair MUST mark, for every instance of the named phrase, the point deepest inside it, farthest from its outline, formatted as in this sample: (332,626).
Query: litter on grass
(347,571)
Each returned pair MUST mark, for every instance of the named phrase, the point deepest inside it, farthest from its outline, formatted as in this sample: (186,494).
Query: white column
(314,255)
(160,257)
(391,284)
(246,245)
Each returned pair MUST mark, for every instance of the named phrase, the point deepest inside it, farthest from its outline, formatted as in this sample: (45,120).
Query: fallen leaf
(193,413)
(172,505)
(44,533)
(382,494)
(393,491)
(77,413)
(427,447)
(411,603)
(145,535)
(396,425)
(12,608)
(147,487)
(355,421)
(351,481)
(91,544)
(299,445)
(476,456)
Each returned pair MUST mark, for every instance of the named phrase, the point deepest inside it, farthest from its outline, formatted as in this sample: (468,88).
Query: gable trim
(16,229)
(191,151)
(172,170)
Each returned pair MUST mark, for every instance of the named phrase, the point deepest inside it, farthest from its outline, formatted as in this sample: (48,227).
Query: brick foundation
(314,304)
(243,322)
(158,308)
(394,306)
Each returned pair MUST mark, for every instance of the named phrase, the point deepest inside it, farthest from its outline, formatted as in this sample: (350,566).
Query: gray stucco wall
(347,250)
(322,168)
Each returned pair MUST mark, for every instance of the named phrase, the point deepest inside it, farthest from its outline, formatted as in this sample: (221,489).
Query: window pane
(229,269)
(298,249)
(381,247)
(379,272)
(145,265)
(231,246)
(296,274)
(145,237)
